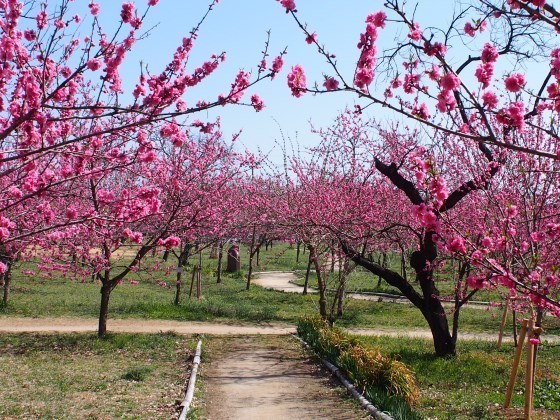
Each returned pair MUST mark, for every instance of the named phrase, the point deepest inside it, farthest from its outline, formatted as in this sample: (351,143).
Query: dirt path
(131,325)
(269,378)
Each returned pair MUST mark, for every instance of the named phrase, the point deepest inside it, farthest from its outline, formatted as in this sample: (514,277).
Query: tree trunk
(444,345)
(321,283)
(104,309)
(297,251)
(258,256)
(7,282)
(178,288)
(220,259)
(307,273)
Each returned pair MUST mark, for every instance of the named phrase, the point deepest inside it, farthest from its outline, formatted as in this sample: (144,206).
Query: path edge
(364,402)
(186,404)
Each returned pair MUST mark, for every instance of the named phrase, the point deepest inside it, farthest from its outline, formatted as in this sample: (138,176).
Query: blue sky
(239,27)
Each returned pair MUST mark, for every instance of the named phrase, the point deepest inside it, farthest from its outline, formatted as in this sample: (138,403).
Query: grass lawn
(152,298)
(473,384)
(81,376)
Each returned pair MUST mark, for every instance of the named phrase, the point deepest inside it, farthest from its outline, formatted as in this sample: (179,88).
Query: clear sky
(239,27)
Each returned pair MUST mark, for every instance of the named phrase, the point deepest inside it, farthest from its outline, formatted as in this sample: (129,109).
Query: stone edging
(192,380)
(365,403)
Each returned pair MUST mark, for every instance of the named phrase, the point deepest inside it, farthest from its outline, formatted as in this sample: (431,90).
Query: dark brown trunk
(220,258)
(104,309)
(320,283)
(258,256)
(178,288)
(297,251)
(7,282)
(307,273)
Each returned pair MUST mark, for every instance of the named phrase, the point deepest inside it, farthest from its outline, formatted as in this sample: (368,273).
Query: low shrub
(387,380)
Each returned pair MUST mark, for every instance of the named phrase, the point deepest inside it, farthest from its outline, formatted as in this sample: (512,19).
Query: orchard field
(390,190)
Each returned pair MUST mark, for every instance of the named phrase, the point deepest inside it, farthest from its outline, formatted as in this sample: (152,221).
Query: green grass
(34,296)
(473,384)
(81,376)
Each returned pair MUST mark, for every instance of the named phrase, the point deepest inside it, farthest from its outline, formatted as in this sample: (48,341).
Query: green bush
(390,383)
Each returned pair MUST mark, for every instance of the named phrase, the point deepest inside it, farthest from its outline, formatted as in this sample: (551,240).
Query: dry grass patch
(81,376)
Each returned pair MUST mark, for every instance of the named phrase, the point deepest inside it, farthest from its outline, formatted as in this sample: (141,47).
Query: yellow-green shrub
(365,365)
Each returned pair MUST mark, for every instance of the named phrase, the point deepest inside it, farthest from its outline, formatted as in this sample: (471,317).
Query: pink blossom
(415,33)
(489,99)
(42,19)
(297,81)
(277,65)
(152,2)
(290,5)
(134,282)
(457,245)
(511,211)
(484,73)
(3,267)
(311,38)
(437,48)
(93,64)
(476,282)
(421,111)
(515,82)
(127,12)
(30,35)
(378,19)
(170,242)
(489,53)
(330,83)
(71,213)
(257,102)
(450,81)
(469,29)
(94,8)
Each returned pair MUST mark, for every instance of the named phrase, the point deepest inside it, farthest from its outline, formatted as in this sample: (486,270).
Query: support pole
(529,372)
(502,325)
(516,360)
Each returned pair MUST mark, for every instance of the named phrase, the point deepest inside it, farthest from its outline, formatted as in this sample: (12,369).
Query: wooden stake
(502,325)
(516,361)
(529,372)
(192,281)
(198,284)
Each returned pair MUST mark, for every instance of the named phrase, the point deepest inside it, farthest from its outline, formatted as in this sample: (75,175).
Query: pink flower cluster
(366,63)
(485,70)
(174,132)
(257,102)
(553,89)
(297,81)
(290,5)
(446,100)
(170,242)
(513,116)
(471,29)
(515,82)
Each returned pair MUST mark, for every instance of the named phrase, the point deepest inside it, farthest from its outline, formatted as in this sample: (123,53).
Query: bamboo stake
(529,372)
(516,361)
(186,404)
(502,325)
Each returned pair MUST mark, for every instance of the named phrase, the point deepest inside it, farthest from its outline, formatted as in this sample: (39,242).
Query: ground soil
(270,377)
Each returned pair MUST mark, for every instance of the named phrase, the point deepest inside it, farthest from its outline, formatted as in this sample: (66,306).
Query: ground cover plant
(473,384)
(390,382)
(82,376)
